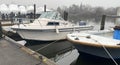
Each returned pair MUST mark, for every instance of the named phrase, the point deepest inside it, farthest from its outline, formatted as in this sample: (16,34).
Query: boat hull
(48,34)
(41,35)
(95,45)
(98,51)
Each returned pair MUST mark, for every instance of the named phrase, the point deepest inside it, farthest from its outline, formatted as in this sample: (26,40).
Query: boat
(49,26)
(102,43)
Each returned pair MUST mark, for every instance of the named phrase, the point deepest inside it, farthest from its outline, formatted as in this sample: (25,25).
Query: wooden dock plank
(10,54)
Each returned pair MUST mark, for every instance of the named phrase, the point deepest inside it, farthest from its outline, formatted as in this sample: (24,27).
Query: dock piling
(1,30)
(45,8)
(103,22)
(34,11)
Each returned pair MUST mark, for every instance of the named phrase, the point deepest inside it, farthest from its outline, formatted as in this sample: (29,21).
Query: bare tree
(86,12)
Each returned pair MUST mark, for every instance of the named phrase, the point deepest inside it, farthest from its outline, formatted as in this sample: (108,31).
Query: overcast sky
(55,3)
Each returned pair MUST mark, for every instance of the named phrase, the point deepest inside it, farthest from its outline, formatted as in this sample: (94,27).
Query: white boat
(96,43)
(48,27)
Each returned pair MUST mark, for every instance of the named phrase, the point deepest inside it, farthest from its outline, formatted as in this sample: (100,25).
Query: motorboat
(49,26)
(102,43)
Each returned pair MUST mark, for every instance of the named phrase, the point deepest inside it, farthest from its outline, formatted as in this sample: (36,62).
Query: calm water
(86,59)
(50,49)
(62,52)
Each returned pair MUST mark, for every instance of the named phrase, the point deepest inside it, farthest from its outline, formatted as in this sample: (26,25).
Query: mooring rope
(107,52)
(47,45)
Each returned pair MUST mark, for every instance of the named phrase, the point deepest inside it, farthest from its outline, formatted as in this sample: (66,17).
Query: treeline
(86,12)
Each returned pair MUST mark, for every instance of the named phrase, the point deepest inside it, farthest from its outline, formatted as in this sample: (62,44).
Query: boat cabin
(51,18)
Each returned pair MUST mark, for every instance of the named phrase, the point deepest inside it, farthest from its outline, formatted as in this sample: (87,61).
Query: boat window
(53,23)
(51,15)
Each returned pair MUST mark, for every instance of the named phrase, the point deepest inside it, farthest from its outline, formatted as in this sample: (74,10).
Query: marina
(62,52)
(38,33)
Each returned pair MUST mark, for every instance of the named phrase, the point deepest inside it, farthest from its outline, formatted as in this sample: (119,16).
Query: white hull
(49,34)
(41,36)
(94,45)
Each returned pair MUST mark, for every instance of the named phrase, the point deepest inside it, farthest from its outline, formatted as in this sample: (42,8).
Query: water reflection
(61,53)
(50,49)
(86,59)
(69,58)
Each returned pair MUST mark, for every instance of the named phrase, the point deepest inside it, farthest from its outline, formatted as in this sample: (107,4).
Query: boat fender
(88,37)
(76,38)
(57,31)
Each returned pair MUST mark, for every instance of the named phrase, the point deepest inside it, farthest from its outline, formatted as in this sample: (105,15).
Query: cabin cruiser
(49,26)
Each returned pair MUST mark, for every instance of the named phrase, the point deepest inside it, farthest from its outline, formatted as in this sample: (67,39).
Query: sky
(55,3)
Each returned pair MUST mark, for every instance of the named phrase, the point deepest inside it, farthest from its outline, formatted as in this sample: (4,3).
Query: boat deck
(15,54)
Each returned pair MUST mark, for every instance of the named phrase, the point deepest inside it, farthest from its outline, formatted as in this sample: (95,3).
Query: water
(68,58)
(50,49)
(97,25)
(86,59)
(62,52)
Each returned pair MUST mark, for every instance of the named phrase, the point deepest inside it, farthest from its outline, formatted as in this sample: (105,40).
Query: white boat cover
(22,9)
(41,9)
(13,8)
(4,9)
(30,9)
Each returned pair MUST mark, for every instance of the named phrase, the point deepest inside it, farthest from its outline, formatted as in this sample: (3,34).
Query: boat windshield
(51,15)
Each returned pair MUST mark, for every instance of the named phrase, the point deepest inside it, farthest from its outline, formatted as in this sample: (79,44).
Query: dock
(12,53)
